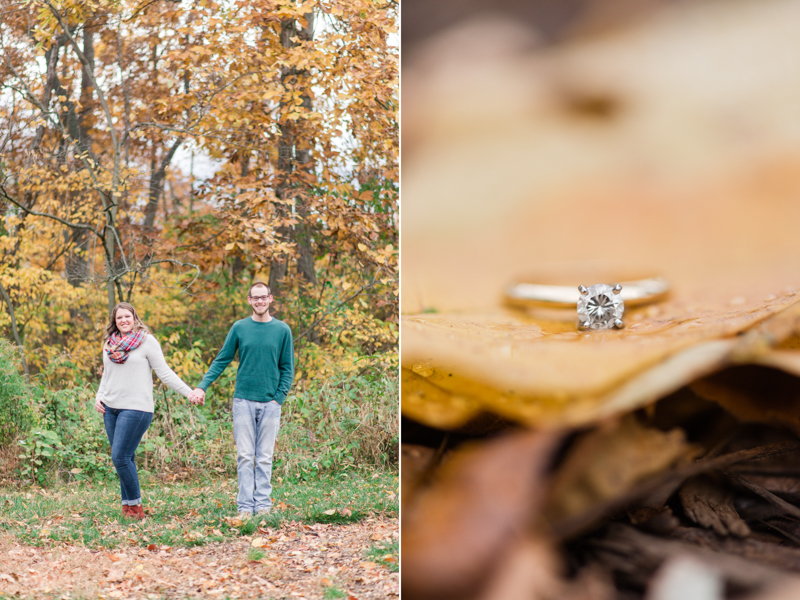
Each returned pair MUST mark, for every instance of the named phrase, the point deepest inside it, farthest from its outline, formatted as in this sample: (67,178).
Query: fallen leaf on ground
(212,568)
(456,531)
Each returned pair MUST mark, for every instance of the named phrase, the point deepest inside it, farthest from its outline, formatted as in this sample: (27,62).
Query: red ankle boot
(137,512)
(126,511)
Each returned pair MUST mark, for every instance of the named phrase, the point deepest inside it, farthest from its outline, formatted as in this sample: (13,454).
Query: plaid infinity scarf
(119,345)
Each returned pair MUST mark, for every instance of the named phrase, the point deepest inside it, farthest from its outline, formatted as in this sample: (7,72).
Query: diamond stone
(600,308)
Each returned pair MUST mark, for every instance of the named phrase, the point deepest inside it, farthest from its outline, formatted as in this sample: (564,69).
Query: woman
(125,397)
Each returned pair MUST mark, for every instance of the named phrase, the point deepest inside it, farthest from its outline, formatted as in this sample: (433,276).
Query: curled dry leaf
(452,373)
(610,460)
(458,530)
(755,393)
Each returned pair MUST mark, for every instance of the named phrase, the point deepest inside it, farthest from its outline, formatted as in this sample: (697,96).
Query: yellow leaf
(523,367)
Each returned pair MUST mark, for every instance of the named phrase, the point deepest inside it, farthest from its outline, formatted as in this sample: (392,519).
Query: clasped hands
(197,396)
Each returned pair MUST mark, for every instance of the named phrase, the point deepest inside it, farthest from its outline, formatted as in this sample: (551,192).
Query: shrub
(345,421)
(16,407)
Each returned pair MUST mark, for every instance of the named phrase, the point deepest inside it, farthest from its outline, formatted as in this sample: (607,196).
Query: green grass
(255,554)
(187,514)
(386,554)
(333,593)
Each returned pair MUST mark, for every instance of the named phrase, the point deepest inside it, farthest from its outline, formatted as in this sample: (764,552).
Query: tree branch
(36,213)
(338,306)
(174,262)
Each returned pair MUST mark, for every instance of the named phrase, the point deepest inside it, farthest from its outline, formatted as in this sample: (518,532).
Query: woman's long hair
(138,324)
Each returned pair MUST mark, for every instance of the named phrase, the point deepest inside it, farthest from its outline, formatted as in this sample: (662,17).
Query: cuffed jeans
(125,429)
(255,428)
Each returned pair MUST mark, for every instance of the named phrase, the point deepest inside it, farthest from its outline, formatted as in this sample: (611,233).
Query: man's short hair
(259,284)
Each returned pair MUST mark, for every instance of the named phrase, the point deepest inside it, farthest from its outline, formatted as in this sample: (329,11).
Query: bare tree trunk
(85,115)
(76,264)
(110,285)
(305,245)
(79,125)
(51,82)
(279,263)
(157,177)
(244,164)
(158,174)
(293,154)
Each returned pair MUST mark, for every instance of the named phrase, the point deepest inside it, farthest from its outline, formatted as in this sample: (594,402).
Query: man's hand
(197,396)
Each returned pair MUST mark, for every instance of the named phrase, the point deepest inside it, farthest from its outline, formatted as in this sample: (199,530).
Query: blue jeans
(255,427)
(125,429)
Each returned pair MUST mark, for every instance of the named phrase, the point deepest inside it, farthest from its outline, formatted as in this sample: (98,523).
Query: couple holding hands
(263,379)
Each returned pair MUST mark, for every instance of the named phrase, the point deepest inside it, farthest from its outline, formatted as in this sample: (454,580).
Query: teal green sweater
(266,360)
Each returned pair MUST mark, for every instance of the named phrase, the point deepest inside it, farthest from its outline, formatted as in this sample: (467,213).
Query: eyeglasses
(259,298)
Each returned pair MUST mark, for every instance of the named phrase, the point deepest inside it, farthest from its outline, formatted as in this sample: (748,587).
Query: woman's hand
(98,406)
(197,396)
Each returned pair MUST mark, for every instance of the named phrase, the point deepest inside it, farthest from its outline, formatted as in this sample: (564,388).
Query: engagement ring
(600,306)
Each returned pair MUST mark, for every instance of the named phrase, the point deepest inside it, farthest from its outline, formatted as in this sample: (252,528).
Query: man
(265,374)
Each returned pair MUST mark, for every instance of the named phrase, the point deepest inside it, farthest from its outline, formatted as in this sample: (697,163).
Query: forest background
(168,154)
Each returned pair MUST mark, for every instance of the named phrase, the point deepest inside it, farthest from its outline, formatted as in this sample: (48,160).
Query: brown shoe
(126,511)
(137,512)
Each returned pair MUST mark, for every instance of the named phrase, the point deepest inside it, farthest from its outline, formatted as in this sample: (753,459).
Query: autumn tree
(292,104)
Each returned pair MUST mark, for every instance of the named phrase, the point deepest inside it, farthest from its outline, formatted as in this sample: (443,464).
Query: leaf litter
(299,561)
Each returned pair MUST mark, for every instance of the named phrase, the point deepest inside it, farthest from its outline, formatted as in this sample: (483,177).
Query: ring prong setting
(601,307)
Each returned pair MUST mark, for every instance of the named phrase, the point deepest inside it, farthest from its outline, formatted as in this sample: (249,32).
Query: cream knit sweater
(130,384)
